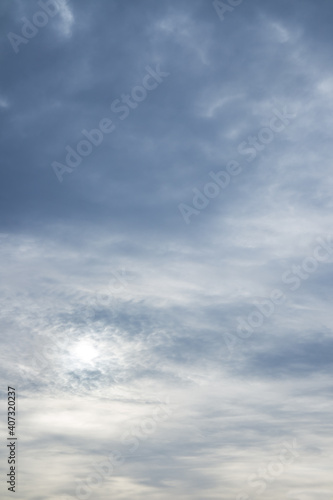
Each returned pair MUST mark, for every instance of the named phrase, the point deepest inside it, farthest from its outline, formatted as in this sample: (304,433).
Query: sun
(84,351)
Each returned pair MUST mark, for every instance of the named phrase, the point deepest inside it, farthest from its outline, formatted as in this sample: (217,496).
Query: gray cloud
(91,356)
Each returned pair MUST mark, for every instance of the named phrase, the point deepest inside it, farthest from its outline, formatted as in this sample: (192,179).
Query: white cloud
(4,103)
(67,18)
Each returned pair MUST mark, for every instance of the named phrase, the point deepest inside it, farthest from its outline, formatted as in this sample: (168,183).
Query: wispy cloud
(111,303)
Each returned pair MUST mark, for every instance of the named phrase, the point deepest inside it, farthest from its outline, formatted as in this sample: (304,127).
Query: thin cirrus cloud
(92,356)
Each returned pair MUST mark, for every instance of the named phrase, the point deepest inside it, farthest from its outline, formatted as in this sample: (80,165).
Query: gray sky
(165,283)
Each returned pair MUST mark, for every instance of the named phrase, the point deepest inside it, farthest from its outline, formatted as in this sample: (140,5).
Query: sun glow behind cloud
(84,352)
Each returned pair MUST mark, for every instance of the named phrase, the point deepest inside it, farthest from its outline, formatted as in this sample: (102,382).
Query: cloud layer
(114,307)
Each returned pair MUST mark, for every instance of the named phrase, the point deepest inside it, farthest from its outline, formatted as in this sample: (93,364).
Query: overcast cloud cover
(123,289)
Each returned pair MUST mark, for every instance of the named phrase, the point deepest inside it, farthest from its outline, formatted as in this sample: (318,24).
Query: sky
(167,248)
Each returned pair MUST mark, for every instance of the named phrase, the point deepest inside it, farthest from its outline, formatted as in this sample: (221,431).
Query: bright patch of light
(85,352)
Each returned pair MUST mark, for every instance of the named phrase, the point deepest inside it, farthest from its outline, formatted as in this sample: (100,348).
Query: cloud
(4,103)
(67,18)
(111,303)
